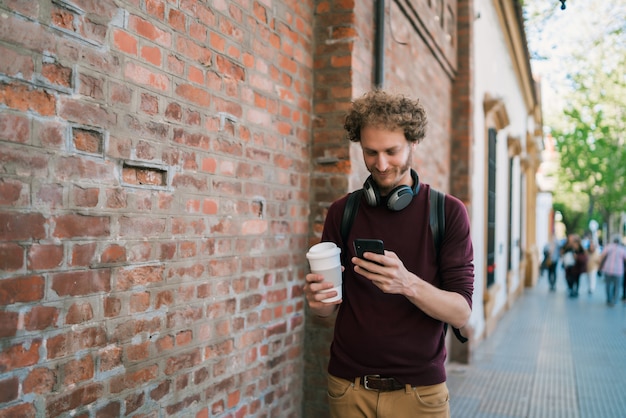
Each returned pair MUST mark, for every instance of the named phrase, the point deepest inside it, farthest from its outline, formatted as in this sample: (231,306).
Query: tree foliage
(589,123)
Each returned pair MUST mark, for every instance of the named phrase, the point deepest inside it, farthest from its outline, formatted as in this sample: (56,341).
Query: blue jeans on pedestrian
(611,288)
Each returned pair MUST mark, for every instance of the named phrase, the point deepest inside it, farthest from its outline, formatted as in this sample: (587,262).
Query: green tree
(588,117)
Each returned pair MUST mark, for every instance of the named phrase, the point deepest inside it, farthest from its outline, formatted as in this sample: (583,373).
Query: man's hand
(316,291)
(388,273)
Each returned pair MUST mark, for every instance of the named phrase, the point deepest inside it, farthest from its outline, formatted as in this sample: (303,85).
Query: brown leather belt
(381,384)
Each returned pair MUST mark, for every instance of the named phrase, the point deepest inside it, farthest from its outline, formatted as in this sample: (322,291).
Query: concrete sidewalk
(550,356)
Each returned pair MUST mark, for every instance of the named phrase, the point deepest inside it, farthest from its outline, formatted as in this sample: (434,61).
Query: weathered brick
(8,323)
(73,398)
(11,256)
(75,371)
(73,226)
(21,289)
(40,381)
(134,379)
(22,410)
(14,127)
(22,226)
(41,318)
(79,313)
(79,283)
(19,355)
(64,344)
(25,98)
(45,256)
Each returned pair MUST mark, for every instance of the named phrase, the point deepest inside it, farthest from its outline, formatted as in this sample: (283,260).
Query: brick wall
(154,206)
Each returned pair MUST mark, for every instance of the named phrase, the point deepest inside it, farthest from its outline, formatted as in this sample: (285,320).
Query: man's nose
(381,163)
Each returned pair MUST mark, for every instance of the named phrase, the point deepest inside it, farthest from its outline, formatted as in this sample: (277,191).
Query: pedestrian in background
(574,262)
(552,252)
(593,263)
(612,267)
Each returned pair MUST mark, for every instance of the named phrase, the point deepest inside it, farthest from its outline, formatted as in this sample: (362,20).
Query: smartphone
(368,245)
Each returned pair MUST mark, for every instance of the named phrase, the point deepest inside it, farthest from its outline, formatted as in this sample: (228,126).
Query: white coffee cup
(324,258)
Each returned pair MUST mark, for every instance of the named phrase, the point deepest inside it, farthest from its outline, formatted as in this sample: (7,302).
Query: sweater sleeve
(456,263)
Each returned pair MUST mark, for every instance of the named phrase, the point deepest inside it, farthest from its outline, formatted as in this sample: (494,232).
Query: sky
(556,35)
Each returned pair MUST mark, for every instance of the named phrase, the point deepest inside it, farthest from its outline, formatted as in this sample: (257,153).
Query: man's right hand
(314,290)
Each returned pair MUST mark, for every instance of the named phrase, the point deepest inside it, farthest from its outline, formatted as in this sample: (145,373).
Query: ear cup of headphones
(398,199)
(370,191)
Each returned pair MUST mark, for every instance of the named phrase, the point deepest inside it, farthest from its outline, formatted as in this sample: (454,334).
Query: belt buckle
(366,379)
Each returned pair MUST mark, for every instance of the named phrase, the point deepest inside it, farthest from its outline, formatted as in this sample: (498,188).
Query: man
(389,338)
(612,267)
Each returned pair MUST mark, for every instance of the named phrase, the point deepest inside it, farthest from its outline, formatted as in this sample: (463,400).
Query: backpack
(437,227)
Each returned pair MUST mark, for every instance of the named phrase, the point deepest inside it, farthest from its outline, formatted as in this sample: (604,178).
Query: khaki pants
(349,399)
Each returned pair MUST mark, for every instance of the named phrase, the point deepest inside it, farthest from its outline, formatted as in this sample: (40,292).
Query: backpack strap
(438,228)
(349,212)
(437,217)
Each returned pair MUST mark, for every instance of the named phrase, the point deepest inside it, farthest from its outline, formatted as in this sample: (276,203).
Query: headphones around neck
(398,199)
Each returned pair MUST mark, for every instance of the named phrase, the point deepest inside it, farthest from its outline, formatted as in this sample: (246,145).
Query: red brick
(194,94)
(14,63)
(21,289)
(80,283)
(11,257)
(139,302)
(8,323)
(147,77)
(86,198)
(113,254)
(26,98)
(72,399)
(79,370)
(125,42)
(79,313)
(73,226)
(82,255)
(19,355)
(160,391)
(152,55)
(57,74)
(39,381)
(64,344)
(139,276)
(23,410)
(45,256)
(87,140)
(138,352)
(112,307)
(92,87)
(134,401)
(148,30)
(14,128)
(40,318)
(133,379)
(110,358)
(22,226)
(111,410)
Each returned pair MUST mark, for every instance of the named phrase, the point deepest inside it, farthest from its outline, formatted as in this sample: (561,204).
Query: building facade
(167,163)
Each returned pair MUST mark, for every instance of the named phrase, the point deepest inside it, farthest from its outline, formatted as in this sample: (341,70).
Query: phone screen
(368,245)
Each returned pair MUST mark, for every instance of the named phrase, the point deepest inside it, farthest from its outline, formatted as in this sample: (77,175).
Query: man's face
(387,155)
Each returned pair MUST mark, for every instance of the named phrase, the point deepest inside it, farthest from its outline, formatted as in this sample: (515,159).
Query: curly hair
(385,110)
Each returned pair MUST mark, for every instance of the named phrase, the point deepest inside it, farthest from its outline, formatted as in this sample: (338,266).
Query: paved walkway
(550,356)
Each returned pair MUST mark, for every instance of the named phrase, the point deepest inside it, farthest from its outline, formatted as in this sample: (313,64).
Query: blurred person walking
(593,263)
(552,252)
(574,262)
(612,267)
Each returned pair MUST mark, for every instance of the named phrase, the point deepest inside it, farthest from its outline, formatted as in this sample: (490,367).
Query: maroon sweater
(378,333)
